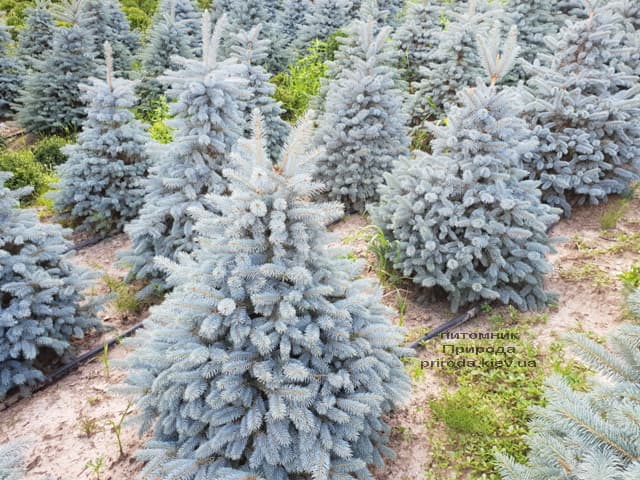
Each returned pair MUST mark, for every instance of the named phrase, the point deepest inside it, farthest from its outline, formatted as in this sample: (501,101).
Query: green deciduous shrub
(47,151)
(27,171)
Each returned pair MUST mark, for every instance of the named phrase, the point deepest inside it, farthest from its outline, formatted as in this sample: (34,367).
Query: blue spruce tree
(11,74)
(352,46)
(363,128)
(110,24)
(272,358)
(43,307)
(586,114)
(51,101)
(292,18)
(289,22)
(627,13)
(251,51)
(416,36)
(36,38)
(100,186)
(465,219)
(243,15)
(588,435)
(168,39)
(208,122)
(535,19)
(187,14)
(454,65)
(324,19)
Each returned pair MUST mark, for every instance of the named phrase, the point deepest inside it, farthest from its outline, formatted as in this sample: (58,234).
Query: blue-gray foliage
(244,15)
(292,18)
(251,52)
(634,302)
(353,45)
(627,13)
(289,22)
(416,36)
(109,24)
(535,20)
(168,38)
(41,299)
(465,219)
(454,64)
(588,435)
(36,37)
(585,109)
(208,120)
(12,460)
(363,127)
(272,358)
(11,74)
(100,187)
(323,19)
(187,13)
(51,102)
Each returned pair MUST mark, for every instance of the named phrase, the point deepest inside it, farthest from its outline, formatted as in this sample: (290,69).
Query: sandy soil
(55,416)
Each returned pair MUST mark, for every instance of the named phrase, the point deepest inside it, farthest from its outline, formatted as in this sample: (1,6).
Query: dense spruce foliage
(100,187)
(363,127)
(188,16)
(51,102)
(465,218)
(208,121)
(11,71)
(585,108)
(41,294)
(36,38)
(353,44)
(536,20)
(454,64)
(251,51)
(12,460)
(109,24)
(323,19)
(168,39)
(271,358)
(416,36)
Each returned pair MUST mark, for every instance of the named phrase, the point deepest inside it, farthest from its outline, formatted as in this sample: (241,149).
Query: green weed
(125,295)
(88,426)
(488,410)
(116,426)
(631,278)
(96,465)
(583,272)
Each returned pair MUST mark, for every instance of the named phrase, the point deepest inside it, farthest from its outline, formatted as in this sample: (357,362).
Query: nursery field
(72,419)
(320,239)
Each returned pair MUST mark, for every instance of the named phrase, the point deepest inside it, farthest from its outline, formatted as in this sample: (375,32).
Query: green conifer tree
(51,102)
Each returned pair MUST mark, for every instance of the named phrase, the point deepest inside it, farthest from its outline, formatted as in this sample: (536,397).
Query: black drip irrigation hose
(67,368)
(87,243)
(454,322)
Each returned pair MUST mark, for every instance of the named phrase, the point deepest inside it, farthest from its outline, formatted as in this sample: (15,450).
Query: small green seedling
(104,358)
(96,466)
(117,427)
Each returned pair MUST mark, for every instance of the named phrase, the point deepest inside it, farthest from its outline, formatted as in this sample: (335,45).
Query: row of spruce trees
(270,356)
